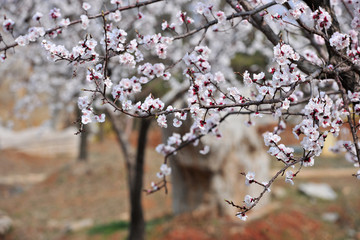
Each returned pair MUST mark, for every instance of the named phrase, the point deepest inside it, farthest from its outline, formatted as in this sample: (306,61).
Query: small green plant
(109,228)
(112,227)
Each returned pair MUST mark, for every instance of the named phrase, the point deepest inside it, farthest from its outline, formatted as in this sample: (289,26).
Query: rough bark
(134,163)
(137,223)
(258,22)
(350,79)
(83,146)
(315,4)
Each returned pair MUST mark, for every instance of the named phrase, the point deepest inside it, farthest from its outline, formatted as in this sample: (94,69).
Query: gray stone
(79,225)
(5,224)
(70,226)
(318,190)
(330,217)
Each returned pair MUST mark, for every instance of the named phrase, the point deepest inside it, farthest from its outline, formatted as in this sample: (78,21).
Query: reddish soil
(279,225)
(293,224)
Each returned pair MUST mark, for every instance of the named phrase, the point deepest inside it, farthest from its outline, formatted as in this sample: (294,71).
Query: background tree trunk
(83,151)
(137,223)
(83,146)
(134,163)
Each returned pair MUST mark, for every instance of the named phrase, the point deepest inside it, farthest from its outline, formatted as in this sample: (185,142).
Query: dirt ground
(72,191)
(95,193)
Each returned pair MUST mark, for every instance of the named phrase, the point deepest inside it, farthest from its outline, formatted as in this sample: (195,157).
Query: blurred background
(58,185)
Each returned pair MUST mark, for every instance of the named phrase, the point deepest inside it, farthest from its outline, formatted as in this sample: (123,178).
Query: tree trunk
(349,79)
(101,133)
(137,223)
(135,171)
(83,146)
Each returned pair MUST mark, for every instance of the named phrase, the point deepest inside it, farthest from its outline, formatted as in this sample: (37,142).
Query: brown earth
(97,190)
(73,191)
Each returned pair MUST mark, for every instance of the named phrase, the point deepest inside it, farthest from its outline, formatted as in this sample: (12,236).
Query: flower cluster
(322,19)
(318,114)
(84,21)
(157,42)
(55,13)
(271,139)
(117,2)
(86,6)
(37,16)
(178,118)
(182,18)
(289,177)
(88,115)
(115,39)
(95,75)
(170,147)
(150,105)
(339,41)
(312,57)
(32,36)
(284,53)
(355,23)
(221,17)
(151,71)
(204,8)
(283,76)
(8,25)
(115,16)
(249,201)
(249,178)
(164,171)
(298,10)
(165,25)
(84,51)
(282,153)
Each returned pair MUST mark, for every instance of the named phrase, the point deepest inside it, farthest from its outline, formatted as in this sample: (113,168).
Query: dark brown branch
(258,22)
(350,120)
(232,16)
